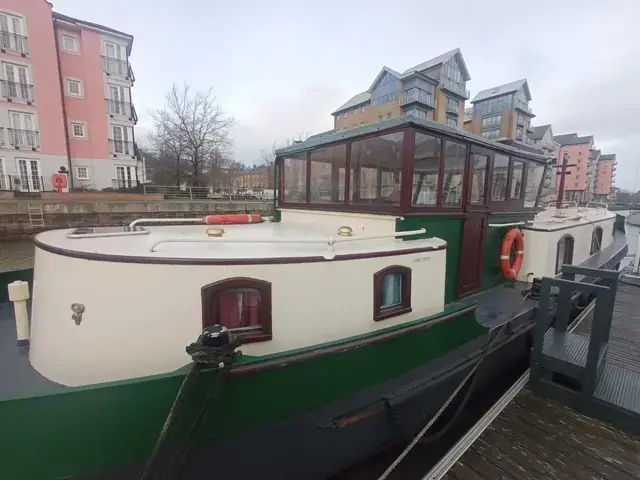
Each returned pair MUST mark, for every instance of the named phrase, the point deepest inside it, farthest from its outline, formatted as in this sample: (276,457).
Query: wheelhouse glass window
(327,174)
(243,305)
(596,240)
(499,177)
(454,160)
(564,253)
(377,163)
(517,178)
(294,173)
(479,164)
(392,292)
(425,170)
(535,176)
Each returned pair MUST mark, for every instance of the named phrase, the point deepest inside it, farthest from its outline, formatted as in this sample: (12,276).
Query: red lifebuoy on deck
(510,271)
(231,219)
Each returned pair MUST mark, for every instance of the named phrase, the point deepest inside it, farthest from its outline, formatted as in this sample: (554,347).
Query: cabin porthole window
(243,305)
(392,292)
(596,240)
(564,254)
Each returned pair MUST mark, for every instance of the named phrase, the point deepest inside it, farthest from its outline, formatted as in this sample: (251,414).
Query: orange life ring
(510,271)
(231,219)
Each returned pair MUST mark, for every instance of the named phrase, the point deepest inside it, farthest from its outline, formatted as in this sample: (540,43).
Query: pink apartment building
(65,100)
(578,181)
(593,175)
(605,176)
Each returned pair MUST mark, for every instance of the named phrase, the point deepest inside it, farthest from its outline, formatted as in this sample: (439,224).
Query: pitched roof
(97,26)
(608,156)
(445,57)
(573,139)
(503,90)
(539,132)
(362,97)
(383,70)
(436,127)
(366,96)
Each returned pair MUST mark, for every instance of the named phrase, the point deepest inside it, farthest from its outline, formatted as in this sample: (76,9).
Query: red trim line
(104,257)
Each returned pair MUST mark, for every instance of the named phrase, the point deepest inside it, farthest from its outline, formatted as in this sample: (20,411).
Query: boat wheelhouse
(417,173)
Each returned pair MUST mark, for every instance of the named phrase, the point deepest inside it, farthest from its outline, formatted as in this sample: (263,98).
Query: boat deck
(17,377)
(259,243)
(561,432)
(538,438)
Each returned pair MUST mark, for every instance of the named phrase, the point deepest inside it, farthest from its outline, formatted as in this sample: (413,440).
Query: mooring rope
(425,429)
(167,466)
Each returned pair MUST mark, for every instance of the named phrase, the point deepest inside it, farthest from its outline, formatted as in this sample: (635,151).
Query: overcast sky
(281,67)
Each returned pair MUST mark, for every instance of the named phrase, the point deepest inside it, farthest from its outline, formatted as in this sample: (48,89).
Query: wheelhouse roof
(408,120)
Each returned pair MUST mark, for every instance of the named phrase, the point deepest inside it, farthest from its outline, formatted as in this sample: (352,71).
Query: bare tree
(268,157)
(191,134)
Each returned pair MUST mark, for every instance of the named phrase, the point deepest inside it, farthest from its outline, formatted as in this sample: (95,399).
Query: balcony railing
(122,109)
(450,85)
(417,95)
(520,121)
(530,128)
(25,183)
(453,109)
(10,42)
(523,106)
(121,147)
(115,66)
(24,138)
(17,91)
(119,183)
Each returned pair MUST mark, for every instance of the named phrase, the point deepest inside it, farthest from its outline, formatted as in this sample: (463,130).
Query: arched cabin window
(596,240)
(391,292)
(565,252)
(243,305)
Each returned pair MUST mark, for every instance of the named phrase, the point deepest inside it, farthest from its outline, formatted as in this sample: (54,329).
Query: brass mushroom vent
(345,231)
(215,232)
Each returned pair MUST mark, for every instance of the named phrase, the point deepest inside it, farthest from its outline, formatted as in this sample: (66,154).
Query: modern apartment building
(605,176)
(65,100)
(581,154)
(435,89)
(503,113)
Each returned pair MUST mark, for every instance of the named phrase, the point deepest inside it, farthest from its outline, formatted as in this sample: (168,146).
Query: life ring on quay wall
(508,270)
(231,219)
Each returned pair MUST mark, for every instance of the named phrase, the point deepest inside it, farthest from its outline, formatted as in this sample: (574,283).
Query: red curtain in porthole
(239,308)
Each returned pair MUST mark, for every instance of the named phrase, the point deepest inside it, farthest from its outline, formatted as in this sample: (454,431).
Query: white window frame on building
(25,122)
(4,176)
(120,140)
(18,82)
(29,174)
(119,97)
(118,53)
(69,43)
(82,129)
(68,82)
(125,176)
(80,176)
(13,25)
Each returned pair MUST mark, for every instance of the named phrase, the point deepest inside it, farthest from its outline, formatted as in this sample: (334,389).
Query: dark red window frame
(214,289)
(405,301)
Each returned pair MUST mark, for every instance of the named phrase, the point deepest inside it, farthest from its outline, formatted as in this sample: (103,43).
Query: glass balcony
(417,95)
(121,147)
(451,86)
(522,106)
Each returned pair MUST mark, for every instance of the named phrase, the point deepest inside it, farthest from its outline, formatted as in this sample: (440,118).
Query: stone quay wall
(15,224)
